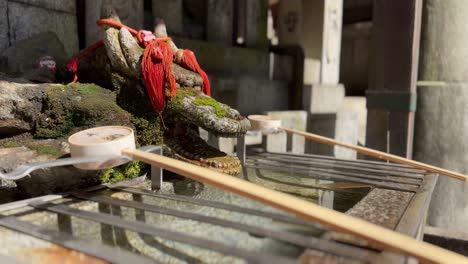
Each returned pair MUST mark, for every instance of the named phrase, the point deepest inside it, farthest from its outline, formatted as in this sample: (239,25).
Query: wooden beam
(395,50)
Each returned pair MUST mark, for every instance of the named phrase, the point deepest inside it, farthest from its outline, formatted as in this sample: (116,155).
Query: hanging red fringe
(190,62)
(73,64)
(156,64)
(156,68)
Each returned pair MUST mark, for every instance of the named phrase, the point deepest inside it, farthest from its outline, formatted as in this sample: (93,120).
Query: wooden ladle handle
(378,154)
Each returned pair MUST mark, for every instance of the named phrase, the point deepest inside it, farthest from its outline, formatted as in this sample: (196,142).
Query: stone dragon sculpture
(117,65)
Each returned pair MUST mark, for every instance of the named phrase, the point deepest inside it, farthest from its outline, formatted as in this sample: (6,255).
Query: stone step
(321,98)
(250,95)
(342,126)
(278,142)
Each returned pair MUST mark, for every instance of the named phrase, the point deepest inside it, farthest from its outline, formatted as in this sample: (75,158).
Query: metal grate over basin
(134,224)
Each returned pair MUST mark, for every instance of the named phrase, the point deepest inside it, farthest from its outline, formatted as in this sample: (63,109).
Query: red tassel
(190,62)
(72,64)
(156,67)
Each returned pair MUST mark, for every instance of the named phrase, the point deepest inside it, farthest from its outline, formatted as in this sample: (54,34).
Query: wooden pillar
(394,68)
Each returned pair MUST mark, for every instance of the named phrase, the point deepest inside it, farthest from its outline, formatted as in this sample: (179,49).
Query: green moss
(79,106)
(127,171)
(181,93)
(87,88)
(45,150)
(11,144)
(148,131)
(204,100)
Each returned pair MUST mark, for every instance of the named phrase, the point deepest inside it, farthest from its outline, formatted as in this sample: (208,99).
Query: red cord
(190,62)
(156,64)
(72,65)
(156,68)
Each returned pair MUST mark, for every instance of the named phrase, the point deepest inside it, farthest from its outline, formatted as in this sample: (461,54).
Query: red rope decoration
(72,65)
(156,67)
(190,62)
(156,64)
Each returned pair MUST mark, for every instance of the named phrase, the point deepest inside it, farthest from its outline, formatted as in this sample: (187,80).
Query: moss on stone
(205,100)
(181,93)
(11,144)
(79,106)
(45,150)
(127,171)
(87,88)
(148,131)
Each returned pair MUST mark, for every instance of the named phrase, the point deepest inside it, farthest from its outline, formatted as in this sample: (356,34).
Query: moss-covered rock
(76,107)
(148,131)
(220,112)
(10,144)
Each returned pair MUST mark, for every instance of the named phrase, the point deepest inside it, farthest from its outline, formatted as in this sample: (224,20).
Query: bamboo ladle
(120,141)
(268,124)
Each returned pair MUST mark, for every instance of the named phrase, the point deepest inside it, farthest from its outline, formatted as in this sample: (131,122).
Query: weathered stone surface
(342,126)
(219,22)
(332,22)
(224,144)
(54,110)
(316,26)
(130,13)
(172,13)
(357,104)
(444,53)
(45,181)
(292,119)
(323,98)
(57,180)
(441,130)
(253,138)
(393,203)
(324,125)
(22,57)
(4,38)
(20,104)
(346,130)
(67,6)
(311,71)
(26,21)
(217,58)
(244,93)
